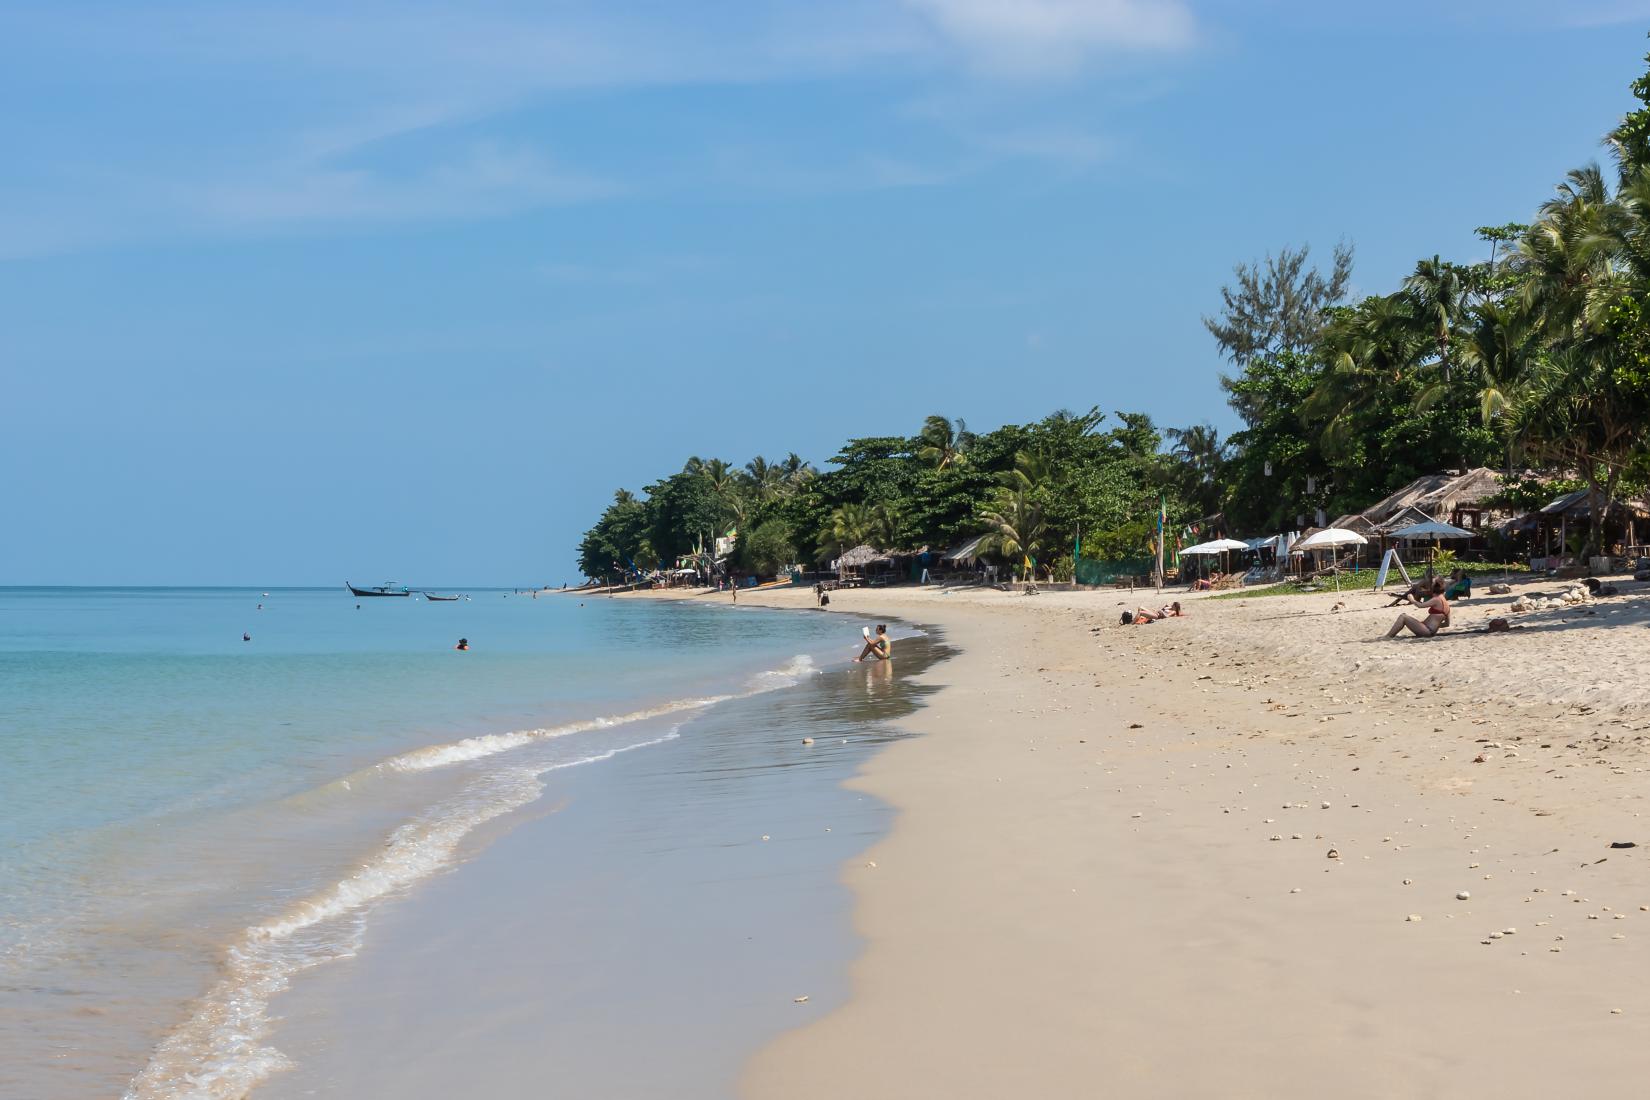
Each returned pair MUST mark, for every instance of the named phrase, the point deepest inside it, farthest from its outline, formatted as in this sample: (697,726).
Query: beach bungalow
(1549,529)
(1454,497)
(863,564)
(1462,499)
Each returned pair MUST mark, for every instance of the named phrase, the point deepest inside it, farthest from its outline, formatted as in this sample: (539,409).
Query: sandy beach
(1249,852)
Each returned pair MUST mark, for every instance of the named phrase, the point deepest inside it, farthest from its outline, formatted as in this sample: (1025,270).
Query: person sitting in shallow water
(1437,616)
(881,646)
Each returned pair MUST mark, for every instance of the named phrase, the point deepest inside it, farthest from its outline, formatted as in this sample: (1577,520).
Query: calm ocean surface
(189,820)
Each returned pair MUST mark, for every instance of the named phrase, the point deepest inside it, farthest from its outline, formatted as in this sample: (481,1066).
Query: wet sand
(640,930)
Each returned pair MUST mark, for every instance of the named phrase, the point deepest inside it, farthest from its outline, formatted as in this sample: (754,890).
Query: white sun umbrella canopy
(1218,546)
(1329,539)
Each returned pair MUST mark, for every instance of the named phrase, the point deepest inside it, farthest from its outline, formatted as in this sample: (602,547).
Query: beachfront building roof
(861,556)
(1357,521)
(1579,505)
(1442,496)
(965,552)
(1406,517)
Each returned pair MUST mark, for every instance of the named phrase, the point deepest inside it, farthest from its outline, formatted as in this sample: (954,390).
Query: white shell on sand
(802,1000)
(764,836)
(1462,895)
(1413,917)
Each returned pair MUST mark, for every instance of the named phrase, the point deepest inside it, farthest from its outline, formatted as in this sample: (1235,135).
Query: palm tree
(794,472)
(1201,455)
(943,444)
(1566,252)
(1032,470)
(1370,347)
(1017,525)
(723,482)
(1438,293)
(854,524)
(766,480)
(1495,348)
(1587,265)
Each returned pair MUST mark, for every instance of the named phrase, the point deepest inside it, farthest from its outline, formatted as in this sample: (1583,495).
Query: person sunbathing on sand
(1418,594)
(1437,616)
(1140,616)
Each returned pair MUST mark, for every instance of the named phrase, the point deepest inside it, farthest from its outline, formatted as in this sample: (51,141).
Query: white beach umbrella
(1199,550)
(1330,538)
(1220,546)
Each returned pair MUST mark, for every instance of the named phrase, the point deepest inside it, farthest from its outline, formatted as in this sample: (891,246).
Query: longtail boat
(386,589)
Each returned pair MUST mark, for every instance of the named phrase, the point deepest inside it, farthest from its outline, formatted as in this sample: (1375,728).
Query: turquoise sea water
(191,819)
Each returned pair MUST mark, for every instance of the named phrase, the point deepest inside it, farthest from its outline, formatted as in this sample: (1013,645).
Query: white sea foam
(221,1051)
(474,748)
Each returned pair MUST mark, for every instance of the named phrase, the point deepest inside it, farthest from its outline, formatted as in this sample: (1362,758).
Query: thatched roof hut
(1442,496)
(861,556)
(1356,522)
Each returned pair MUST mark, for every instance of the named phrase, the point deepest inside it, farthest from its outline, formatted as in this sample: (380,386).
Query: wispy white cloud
(485,179)
(375,113)
(1040,38)
(1605,14)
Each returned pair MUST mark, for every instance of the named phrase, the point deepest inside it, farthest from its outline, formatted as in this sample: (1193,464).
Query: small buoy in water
(246,637)
(802,1000)
(807,740)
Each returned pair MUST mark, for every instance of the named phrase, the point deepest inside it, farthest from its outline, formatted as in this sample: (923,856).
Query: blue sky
(291,293)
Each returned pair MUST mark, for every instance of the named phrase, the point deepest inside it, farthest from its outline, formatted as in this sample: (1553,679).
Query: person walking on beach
(881,647)
(463,644)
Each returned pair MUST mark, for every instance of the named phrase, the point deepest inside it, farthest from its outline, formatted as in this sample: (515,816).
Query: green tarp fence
(1090,571)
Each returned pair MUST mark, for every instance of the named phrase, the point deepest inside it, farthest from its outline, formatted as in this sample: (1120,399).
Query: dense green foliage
(1031,488)
(1537,357)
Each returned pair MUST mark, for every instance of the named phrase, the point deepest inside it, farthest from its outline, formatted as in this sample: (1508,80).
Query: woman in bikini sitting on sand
(1140,616)
(1437,616)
